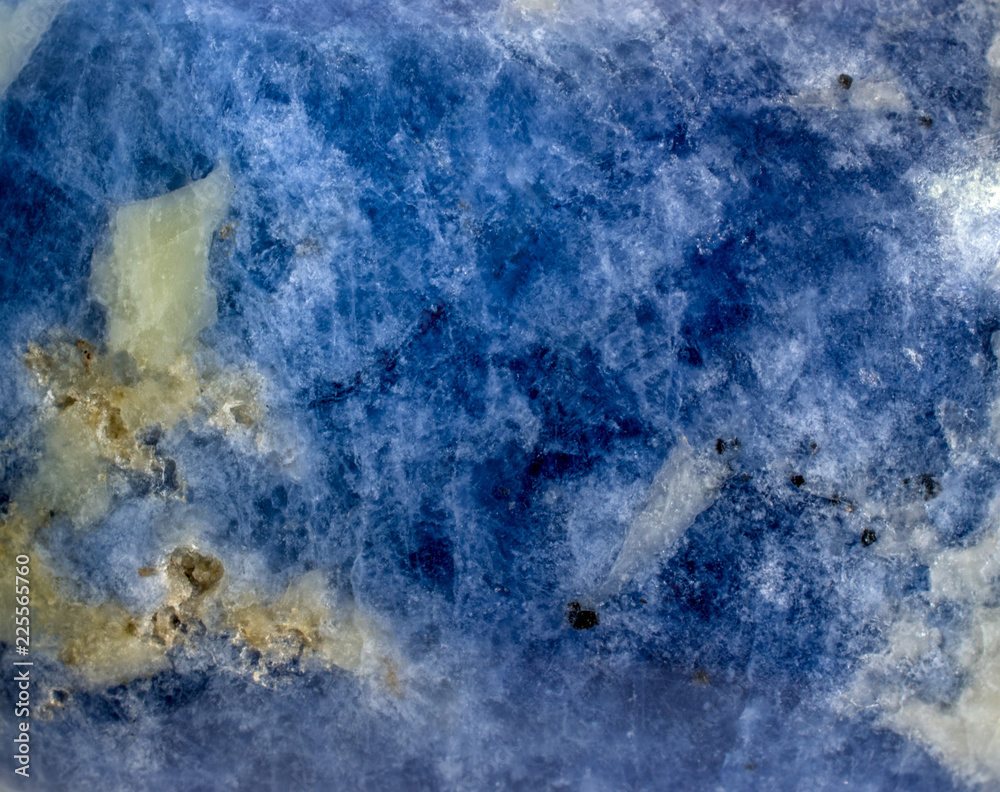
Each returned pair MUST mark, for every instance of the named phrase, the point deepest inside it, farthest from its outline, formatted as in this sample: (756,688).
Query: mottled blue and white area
(578,394)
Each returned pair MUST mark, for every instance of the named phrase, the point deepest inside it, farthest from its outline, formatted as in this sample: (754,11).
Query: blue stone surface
(496,262)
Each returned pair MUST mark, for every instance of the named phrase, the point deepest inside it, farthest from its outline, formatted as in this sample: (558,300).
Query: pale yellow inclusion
(302,620)
(99,406)
(302,623)
(154,282)
(99,410)
(102,412)
(99,640)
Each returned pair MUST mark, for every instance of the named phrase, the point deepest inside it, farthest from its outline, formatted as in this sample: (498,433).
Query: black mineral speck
(926,121)
(797,480)
(585,619)
(930,486)
(845,81)
(720,445)
(581,619)
(868,537)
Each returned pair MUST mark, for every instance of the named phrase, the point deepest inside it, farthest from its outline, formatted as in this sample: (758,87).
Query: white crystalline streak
(993,94)
(967,200)
(865,95)
(686,485)
(878,96)
(21,28)
(964,733)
